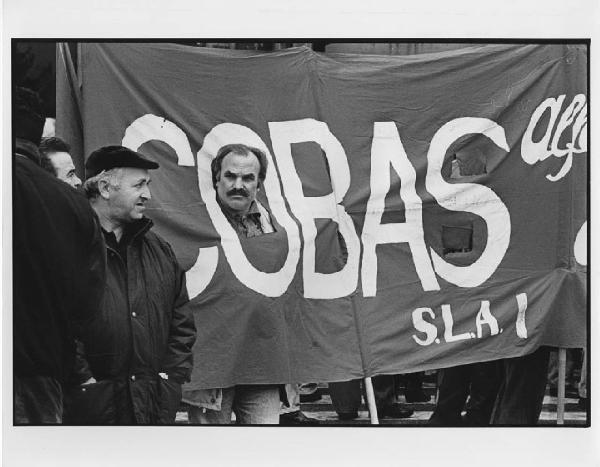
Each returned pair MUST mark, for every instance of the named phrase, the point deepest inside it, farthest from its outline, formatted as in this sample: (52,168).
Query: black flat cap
(109,157)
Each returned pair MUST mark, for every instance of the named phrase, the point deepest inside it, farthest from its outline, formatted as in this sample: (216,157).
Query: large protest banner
(430,210)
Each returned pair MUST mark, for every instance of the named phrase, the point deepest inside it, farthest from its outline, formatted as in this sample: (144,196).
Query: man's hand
(89,381)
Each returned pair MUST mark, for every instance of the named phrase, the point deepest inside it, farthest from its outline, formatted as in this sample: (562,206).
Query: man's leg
(521,393)
(413,385)
(384,389)
(485,382)
(452,395)
(292,392)
(345,397)
(257,404)
(290,413)
(203,416)
(553,371)
(583,376)
(38,400)
(582,389)
(574,357)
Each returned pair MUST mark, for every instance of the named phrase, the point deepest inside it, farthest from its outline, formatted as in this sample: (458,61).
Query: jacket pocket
(92,404)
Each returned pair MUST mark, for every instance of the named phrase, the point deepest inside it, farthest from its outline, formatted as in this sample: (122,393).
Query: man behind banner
(139,349)
(237,173)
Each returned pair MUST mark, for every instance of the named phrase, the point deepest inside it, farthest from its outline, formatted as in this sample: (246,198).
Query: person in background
(58,274)
(472,388)
(572,366)
(413,387)
(346,398)
(522,388)
(56,159)
(583,383)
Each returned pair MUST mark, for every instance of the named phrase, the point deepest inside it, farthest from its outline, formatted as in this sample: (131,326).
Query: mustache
(238,192)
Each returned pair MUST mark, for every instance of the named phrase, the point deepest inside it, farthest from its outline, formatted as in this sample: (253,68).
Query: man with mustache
(139,348)
(238,172)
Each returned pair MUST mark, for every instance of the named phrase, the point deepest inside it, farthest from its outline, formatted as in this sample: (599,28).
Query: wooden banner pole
(560,403)
(371,401)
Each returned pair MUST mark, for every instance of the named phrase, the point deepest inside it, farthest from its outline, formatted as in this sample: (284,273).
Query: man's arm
(182,334)
(93,282)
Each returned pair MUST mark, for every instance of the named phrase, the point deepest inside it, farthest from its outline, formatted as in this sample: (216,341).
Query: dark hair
(50,146)
(27,119)
(242,150)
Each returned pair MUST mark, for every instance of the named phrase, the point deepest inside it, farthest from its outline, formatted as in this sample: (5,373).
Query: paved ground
(323,411)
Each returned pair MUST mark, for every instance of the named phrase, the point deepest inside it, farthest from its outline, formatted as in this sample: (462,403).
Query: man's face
(64,168)
(127,202)
(237,183)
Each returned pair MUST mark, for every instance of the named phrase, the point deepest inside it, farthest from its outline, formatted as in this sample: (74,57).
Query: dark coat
(145,328)
(58,270)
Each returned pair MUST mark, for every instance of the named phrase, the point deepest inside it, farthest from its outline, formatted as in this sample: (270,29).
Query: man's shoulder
(153,237)
(159,252)
(156,241)
(53,191)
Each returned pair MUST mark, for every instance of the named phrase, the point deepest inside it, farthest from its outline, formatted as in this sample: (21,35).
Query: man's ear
(104,189)
(216,179)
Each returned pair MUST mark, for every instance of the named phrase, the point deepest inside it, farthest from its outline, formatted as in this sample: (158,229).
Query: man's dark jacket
(144,328)
(58,271)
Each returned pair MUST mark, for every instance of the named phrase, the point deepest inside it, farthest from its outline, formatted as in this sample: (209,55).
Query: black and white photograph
(326,238)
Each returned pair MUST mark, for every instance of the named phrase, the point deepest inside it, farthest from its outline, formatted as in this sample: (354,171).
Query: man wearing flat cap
(138,351)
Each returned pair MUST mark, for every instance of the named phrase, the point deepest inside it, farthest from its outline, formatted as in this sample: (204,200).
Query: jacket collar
(138,228)
(253,212)
(134,230)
